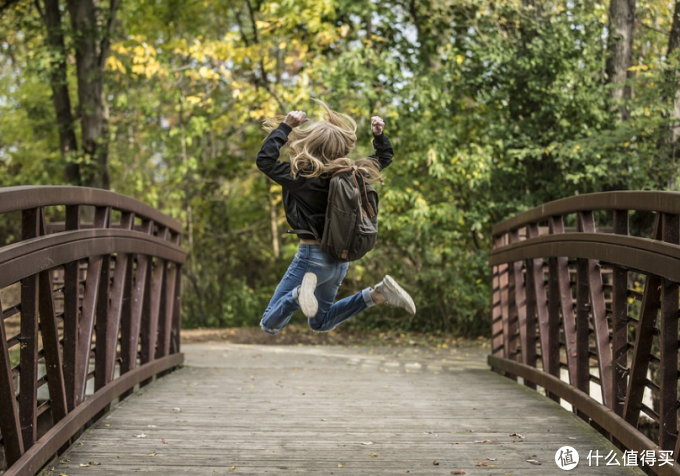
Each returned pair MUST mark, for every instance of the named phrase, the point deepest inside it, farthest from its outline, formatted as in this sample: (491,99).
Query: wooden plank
(643,341)
(282,409)
(598,312)
(619,321)
(10,426)
(668,343)
(28,359)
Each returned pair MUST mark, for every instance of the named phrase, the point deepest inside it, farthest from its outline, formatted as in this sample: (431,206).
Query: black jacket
(305,199)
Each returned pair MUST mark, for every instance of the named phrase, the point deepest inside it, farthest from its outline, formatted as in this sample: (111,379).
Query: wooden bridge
(584,354)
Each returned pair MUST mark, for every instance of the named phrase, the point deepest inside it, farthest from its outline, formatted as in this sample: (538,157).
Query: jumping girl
(313,278)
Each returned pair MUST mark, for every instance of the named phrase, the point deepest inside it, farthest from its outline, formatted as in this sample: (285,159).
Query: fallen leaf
(107,425)
(366,443)
(341,465)
(533,461)
(484,441)
(435,462)
(482,463)
(373,455)
(177,410)
(458,472)
(164,441)
(152,454)
(516,435)
(233,468)
(572,437)
(84,465)
(492,459)
(140,436)
(95,463)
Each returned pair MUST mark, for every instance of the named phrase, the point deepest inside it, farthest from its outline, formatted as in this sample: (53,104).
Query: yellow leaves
(114,64)
(639,67)
(460,59)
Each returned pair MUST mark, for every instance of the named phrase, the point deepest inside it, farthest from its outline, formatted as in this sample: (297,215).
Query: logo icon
(566,458)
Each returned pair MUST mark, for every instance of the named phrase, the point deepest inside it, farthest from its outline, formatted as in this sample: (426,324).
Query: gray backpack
(351,228)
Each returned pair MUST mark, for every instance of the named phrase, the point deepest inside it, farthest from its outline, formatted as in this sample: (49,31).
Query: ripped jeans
(329,275)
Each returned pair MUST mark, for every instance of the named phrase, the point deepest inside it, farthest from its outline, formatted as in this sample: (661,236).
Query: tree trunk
(89,70)
(620,46)
(674,93)
(273,220)
(68,144)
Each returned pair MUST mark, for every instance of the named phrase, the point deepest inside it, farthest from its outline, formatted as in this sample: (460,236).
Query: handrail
(662,202)
(543,318)
(121,290)
(34,196)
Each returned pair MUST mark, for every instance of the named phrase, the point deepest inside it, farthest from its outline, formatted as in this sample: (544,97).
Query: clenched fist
(377,125)
(295,118)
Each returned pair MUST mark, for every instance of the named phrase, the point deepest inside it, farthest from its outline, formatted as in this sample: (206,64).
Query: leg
(283,303)
(331,315)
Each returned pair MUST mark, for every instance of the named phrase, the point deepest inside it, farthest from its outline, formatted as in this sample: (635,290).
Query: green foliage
(493,107)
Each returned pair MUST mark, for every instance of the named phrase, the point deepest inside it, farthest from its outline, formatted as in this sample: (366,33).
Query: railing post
(599,314)
(28,377)
(10,425)
(668,340)
(560,298)
(498,343)
(619,321)
(71,312)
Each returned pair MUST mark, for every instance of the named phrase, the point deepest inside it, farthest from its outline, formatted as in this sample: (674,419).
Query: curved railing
(590,314)
(90,307)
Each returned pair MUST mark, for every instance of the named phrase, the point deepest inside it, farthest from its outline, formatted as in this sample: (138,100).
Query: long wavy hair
(323,147)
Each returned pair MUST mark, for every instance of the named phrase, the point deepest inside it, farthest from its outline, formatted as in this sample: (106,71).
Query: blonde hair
(323,147)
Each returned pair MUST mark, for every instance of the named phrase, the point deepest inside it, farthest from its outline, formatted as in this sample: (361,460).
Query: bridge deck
(255,410)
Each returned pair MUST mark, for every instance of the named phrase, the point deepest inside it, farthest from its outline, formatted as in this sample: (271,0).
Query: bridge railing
(89,308)
(592,316)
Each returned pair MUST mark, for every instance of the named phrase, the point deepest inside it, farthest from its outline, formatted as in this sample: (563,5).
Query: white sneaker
(395,295)
(306,298)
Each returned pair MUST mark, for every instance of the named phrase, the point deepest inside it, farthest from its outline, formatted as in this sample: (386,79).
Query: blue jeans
(329,275)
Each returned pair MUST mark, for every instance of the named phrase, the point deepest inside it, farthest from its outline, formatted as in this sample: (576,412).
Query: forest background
(492,106)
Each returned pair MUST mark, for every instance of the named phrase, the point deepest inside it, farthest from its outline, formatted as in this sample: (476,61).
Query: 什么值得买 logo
(566,458)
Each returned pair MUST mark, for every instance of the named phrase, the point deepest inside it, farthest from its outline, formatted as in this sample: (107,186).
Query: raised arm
(383,148)
(268,157)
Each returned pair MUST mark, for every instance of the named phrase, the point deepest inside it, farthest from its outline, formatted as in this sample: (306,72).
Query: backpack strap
(371,213)
(306,232)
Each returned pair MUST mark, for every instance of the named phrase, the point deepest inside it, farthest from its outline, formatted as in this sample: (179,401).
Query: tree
(91,42)
(620,47)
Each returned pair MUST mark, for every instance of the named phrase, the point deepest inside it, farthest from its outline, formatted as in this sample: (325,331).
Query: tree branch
(38,7)
(6,4)
(262,82)
(106,40)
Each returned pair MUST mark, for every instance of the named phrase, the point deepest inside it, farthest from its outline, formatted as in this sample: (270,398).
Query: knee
(318,322)
(269,331)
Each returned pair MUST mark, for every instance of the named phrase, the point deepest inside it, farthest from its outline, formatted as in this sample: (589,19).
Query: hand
(295,118)
(377,125)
